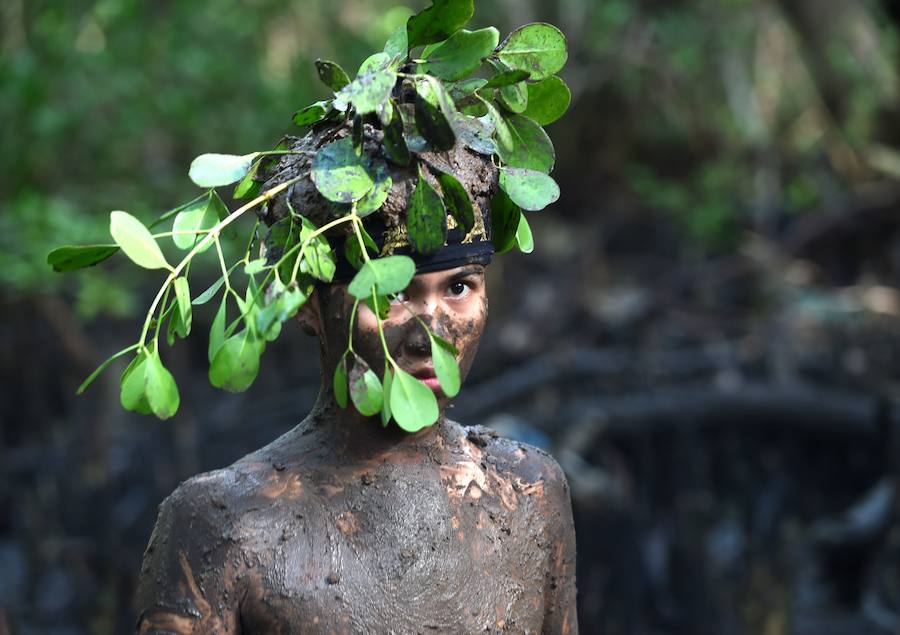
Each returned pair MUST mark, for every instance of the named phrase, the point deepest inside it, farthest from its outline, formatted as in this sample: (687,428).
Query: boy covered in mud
(345,526)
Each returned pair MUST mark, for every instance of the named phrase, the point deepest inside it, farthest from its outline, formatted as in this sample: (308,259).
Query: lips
(427,377)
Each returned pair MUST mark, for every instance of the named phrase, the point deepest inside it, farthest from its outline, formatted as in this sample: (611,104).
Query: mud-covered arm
(188,583)
(560,612)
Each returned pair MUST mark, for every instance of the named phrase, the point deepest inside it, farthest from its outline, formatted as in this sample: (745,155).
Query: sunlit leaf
(313,113)
(538,48)
(161,390)
(136,241)
(506,77)
(461,53)
(217,331)
(529,189)
(413,404)
(236,363)
(72,257)
(255,266)
(548,100)
(376,197)
(438,22)
(340,174)
(501,129)
(331,74)
(367,92)
(375,62)
(443,354)
(475,134)
(398,44)
(531,147)
(365,388)
(513,96)
(388,275)
(183,299)
(213,170)
(199,216)
(318,257)
(524,239)
(426,218)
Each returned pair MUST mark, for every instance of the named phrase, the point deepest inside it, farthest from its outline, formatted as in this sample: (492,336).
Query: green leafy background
(728,172)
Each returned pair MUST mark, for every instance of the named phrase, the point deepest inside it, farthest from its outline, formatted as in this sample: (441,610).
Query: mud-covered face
(453,303)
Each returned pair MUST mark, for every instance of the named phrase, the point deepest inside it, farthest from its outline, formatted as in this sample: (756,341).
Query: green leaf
(340,174)
(365,388)
(398,44)
(236,364)
(379,304)
(368,92)
(506,78)
(339,382)
(426,218)
(538,48)
(183,297)
(514,97)
(474,133)
(502,133)
(438,22)
(531,148)
(247,187)
(109,360)
(434,110)
(255,266)
(136,241)
(318,257)
(352,251)
(213,170)
(524,239)
(208,295)
(175,328)
(375,62)
(394,144)
(529,189)
(443,354)
(457,201)
(386,396)
(548,100)
(413,404)
(133,395)
(376,197)
(465,88)
(504,222)
(217,331)
(313,113)
(160,387)
(461,53)
(390,274)
(72,257)
(331,74)
(199,216)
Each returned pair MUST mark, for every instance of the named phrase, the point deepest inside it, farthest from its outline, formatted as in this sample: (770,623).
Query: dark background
(705,337)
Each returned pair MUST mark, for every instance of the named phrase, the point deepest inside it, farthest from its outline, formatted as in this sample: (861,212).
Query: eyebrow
(468,271)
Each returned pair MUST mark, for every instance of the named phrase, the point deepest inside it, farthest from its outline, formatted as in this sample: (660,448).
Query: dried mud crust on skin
(476,172)
(450,536)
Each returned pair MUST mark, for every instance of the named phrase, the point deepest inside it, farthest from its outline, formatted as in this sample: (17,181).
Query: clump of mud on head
(476,172)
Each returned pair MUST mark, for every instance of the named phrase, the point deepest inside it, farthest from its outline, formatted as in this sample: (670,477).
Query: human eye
(399,298)
(459,288)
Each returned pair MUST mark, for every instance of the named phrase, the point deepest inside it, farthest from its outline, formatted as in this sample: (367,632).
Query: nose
(426,307)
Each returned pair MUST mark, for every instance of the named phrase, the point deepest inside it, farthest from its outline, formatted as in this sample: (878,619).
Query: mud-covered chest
(404,556)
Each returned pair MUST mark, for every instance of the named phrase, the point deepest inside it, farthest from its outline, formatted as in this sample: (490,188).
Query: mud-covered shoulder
(527,462)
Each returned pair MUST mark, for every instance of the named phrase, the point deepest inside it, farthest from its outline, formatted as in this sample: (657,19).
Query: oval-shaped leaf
(313,113)
(217,331)
(376,197)
(236,364)
(507,77)
(390,274)
(531,147)
(475,134)
(438,22)
(413,404)
(375,62)
(365,388)
(504,222)
(133,394)
(201,216)
(397,45)
(161,389)
(513,96)
(214,170)
(501,130)
(426,219)
(368,92)
(434,111)
(443,355)
(538,48)
(136,241)
(457,200)
(318,257)
(72,257)
(331,74)
(183,298)
(461,53)
(548,100)
(529,189)
(340,174)
(524,239)
(339,382)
